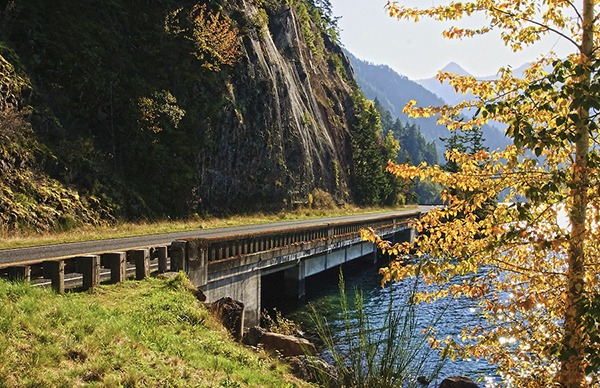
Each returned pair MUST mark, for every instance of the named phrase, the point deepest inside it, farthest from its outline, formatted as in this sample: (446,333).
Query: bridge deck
(213,252)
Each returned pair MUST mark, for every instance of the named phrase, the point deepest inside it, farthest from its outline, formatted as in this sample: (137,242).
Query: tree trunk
(572,368)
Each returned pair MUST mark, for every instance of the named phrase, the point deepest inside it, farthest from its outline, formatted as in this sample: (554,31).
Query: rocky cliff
(286,131)
(169,108)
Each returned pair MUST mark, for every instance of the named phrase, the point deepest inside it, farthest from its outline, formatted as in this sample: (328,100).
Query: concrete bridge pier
(408,235)
(294,282)
(245,288)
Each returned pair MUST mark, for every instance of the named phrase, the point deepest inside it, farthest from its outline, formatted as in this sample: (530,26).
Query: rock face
(125,120)
(231,315)
(458,382)
(285,131)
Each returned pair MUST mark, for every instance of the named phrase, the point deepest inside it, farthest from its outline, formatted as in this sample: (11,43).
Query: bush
(277,323)
(321,199)
(30,199)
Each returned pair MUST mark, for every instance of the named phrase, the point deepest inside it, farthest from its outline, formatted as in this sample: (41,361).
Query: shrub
(214,38)
(321,199)
(278,323)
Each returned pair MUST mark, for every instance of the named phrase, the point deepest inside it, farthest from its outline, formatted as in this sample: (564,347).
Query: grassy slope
(147,333)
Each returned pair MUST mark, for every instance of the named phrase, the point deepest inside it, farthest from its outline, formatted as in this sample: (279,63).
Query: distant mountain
(455,68)
(518,72)
(383,82)
(394,91)
(447,92)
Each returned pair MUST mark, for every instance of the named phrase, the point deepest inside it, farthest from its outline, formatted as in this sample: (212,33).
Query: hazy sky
(417,50)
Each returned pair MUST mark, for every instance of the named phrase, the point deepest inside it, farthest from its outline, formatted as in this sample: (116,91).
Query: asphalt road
(121,244)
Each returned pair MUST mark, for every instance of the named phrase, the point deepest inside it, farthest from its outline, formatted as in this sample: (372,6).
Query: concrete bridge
(229,265)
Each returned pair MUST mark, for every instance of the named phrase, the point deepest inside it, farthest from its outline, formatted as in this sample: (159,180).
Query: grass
(371,351)
(21,239)
(137,333)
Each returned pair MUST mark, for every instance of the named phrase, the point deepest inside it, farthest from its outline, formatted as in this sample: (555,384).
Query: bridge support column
(245,288)
(294,282)
(406,235)
(412,235)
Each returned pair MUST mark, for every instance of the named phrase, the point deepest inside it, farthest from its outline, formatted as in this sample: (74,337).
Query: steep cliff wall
(129,116)
(286,131)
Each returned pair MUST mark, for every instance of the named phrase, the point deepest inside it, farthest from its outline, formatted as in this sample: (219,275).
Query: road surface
(57,251)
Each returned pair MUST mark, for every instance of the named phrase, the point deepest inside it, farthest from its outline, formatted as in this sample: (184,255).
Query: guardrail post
(161,255)
(55,271)
(330,233)
(21,273)
(117,262)
(141,259)
(178,255)
(89,267)
(197,262)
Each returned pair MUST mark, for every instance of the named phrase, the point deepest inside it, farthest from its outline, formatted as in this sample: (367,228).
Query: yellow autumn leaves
(532,261)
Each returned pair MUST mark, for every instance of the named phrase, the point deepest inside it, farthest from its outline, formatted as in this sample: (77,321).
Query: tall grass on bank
(394,352)
(150,333)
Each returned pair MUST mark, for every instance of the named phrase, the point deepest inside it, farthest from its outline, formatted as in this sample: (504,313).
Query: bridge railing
(115,267)
(87,271)
(222,248)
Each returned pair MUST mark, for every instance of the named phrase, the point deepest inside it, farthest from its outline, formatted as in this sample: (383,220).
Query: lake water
(322,292)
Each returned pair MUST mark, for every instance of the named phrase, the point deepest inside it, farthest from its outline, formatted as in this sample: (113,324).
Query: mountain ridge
(447,92)
(394,91)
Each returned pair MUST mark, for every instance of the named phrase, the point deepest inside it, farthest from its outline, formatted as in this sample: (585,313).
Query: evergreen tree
(475,140)
(456,141)
(328,22)
(387,120)
(414,149)
(371,153)
(466,142)
(366,152)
